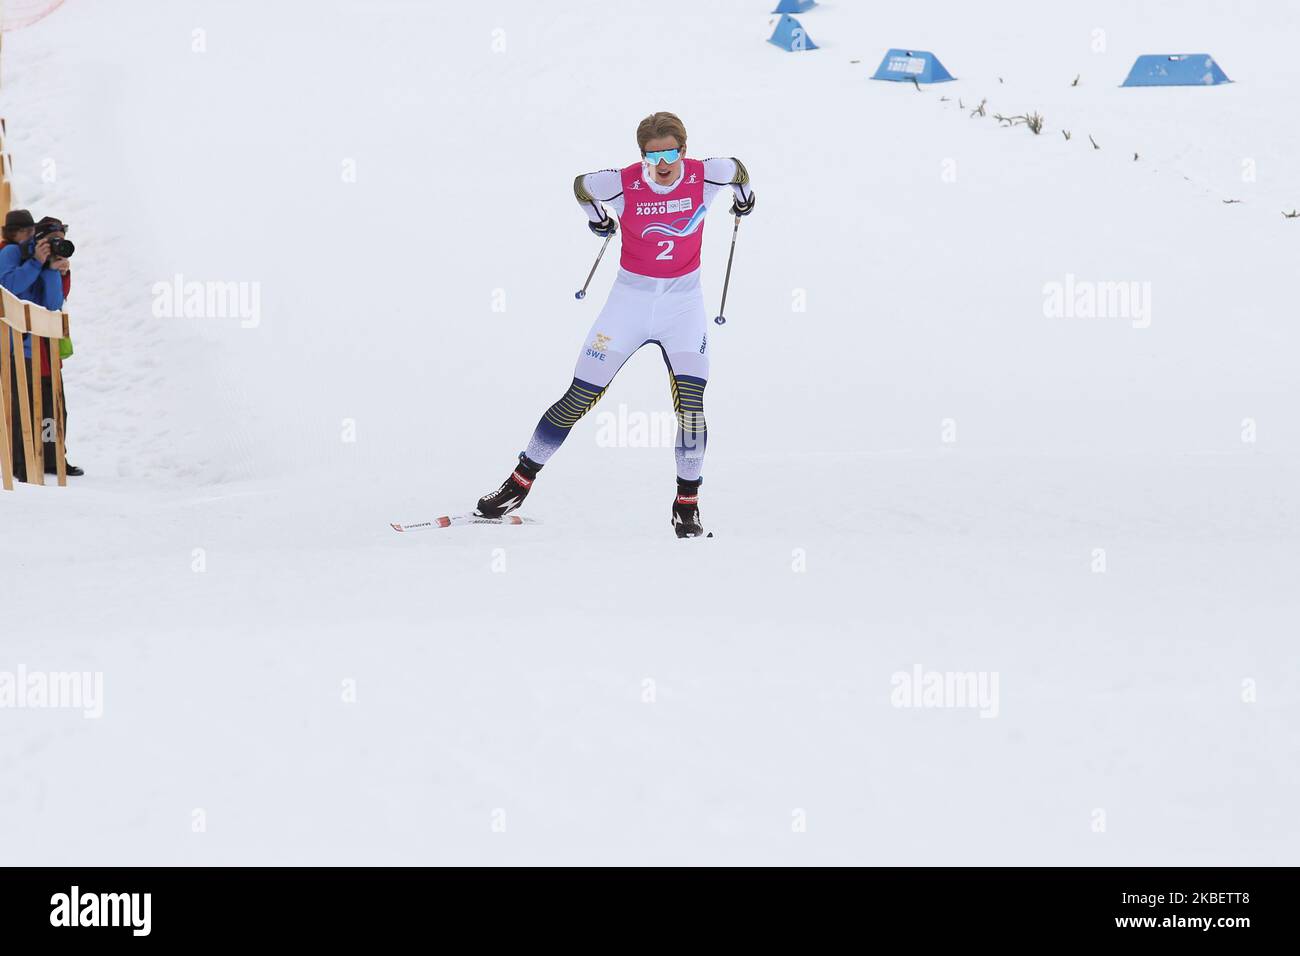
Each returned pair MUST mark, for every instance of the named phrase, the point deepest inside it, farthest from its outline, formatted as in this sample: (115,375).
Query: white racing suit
(644,310)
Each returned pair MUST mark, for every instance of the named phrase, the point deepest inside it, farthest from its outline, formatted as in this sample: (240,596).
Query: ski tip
(436,523)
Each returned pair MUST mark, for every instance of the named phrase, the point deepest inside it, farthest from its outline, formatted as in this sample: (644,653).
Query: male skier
(661,201)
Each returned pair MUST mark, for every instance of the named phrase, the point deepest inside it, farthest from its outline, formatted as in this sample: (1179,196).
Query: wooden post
(24,396)
(36,476)
(6,188)
(7,453)
(56,391)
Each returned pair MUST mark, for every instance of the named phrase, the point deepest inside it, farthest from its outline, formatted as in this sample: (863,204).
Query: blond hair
(660,124)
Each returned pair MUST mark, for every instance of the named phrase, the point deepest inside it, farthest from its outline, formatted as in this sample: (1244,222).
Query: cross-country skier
(656,299)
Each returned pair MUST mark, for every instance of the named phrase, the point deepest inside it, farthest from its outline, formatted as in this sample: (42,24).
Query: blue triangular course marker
(790,35)
(907,65)
(795,6)
(1175,69)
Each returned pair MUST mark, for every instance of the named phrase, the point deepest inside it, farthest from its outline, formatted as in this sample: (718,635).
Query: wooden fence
(18,317)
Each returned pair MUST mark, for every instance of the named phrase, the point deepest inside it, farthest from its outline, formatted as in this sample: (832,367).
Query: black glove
(739,208)
(605,228)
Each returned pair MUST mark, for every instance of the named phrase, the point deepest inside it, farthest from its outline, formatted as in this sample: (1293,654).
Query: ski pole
(721,319)
(582,293)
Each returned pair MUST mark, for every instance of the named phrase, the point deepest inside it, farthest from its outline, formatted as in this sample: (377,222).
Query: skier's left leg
(619,330)
(684,340)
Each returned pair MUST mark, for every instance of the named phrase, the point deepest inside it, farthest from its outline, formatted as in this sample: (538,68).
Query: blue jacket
(30,280)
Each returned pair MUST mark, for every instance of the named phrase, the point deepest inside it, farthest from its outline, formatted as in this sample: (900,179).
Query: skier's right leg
(619,330)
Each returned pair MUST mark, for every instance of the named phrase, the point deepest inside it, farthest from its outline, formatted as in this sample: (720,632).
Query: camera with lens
(50,230)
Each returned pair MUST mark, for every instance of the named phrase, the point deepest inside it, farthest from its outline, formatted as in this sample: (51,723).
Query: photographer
(34,266)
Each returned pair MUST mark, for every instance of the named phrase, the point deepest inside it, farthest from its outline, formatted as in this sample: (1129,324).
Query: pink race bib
(662,231)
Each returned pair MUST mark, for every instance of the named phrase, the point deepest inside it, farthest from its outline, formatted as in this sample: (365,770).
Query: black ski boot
(686,509)
(512,492)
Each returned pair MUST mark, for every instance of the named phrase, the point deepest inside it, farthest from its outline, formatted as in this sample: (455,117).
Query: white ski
(450,521)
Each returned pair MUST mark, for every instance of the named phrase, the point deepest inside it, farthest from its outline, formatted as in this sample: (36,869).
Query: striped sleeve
(592,189)
(728,171)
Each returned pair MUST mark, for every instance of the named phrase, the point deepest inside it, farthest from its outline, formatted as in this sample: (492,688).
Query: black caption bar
(338,906)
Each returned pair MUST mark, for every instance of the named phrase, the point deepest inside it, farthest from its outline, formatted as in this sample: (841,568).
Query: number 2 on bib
(668,252)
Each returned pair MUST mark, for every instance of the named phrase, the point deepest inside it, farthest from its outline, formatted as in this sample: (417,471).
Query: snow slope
(500,674)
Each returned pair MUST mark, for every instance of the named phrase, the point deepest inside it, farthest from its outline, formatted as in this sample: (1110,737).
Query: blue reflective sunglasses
(666,155)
